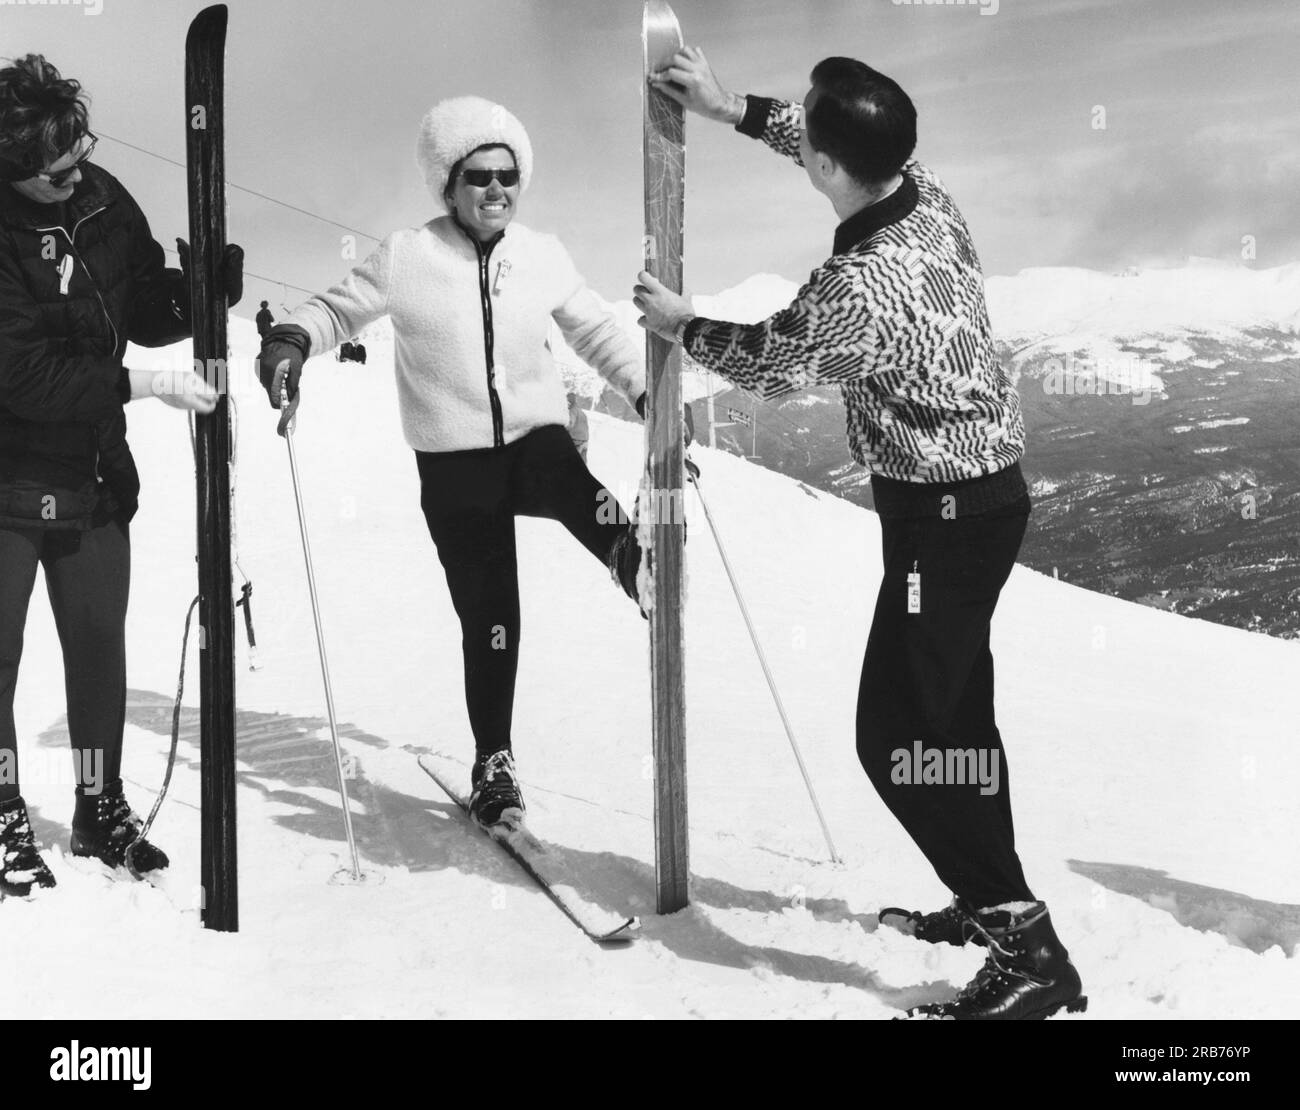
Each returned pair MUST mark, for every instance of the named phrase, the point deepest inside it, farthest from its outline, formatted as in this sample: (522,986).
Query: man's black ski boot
(950,925)
(495,801)
(1028,974)
(21,866)
(104,827)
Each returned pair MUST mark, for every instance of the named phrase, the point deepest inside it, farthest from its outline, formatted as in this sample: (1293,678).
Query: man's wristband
(679,332)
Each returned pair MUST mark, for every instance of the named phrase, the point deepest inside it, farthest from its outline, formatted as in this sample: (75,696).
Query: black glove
(687,419)
(232,269)
(279,366)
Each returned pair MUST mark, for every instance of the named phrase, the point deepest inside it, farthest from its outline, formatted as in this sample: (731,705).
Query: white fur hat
(454,128)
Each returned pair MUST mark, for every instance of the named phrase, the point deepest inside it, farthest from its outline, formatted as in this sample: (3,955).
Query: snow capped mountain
(1123,333)
(1203,296)
(754,299)
(1125,325)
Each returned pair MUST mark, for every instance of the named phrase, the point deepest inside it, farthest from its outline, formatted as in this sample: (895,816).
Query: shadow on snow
(1245,921)
(290,761)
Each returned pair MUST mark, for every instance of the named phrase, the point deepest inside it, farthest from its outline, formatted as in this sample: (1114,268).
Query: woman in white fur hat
(471,295)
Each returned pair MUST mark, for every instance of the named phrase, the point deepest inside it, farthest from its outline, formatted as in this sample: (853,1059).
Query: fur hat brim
(453,129)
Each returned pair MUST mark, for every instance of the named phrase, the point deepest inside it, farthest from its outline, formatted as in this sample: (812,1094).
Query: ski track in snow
(1153,757)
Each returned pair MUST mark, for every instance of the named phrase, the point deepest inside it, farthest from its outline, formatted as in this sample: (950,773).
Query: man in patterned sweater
(896,318)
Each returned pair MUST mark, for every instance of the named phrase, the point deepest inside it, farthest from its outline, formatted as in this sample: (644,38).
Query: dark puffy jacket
(76,282)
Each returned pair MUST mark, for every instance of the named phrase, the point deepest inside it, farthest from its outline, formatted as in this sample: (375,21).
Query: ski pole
(287,431)
(246,600)
(693,475)
(128,856)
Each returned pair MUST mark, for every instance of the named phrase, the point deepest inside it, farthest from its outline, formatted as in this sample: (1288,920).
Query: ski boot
(104,827)
(624,562)
(21,866)
(1027,976)
(624,559)
(950,925)
(495,803)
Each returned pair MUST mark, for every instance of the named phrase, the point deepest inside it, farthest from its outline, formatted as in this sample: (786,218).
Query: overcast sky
(1201,145)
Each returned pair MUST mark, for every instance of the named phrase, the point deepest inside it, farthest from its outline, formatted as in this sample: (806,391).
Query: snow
(1153,759)
(1177,351)
(1207,296)
(1222,422)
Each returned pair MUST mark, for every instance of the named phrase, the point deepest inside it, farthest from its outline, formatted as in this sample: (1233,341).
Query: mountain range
(1159,409)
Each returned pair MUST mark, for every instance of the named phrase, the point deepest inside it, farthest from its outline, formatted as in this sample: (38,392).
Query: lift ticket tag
(503,272)
(914,591)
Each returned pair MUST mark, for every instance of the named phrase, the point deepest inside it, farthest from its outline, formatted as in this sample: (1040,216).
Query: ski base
(536,860)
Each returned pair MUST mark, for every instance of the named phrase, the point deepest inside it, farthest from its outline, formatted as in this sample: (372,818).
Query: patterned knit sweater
(896,318)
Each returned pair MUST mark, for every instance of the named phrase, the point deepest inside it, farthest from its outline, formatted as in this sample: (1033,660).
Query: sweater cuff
(302,327)
(124,386)
(692,330)
(296,335)
(757,110)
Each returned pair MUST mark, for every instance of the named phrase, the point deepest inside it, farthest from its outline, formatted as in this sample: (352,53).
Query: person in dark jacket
(80,276)
(896,317)
(264,320)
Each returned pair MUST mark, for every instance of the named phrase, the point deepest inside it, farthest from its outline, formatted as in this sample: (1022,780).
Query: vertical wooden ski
(205,48)
(663,132)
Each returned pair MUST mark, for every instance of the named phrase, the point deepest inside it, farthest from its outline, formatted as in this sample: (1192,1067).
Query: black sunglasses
(60,179)
(481,179)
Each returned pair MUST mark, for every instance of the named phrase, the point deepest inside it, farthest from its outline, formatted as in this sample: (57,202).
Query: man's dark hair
(42,114)
(862,119)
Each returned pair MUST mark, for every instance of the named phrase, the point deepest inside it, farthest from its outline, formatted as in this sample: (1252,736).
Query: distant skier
(352,352)
(265,321)
(471,296)
(896,317)
(578,430)
(80,275)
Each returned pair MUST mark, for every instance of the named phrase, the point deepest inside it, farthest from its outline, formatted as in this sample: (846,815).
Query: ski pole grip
(246,600)
(288,412)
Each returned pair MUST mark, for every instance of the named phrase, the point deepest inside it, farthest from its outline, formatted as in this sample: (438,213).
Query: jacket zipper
(72,245)
(485,301)
(112,327)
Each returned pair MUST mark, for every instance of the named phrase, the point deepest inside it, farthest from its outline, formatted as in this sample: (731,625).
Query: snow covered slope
(1153,760)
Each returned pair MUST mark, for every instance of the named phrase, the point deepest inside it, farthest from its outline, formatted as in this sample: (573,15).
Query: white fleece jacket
(428,280)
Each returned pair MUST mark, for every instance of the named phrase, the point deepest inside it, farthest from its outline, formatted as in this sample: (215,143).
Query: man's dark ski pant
(928,676)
